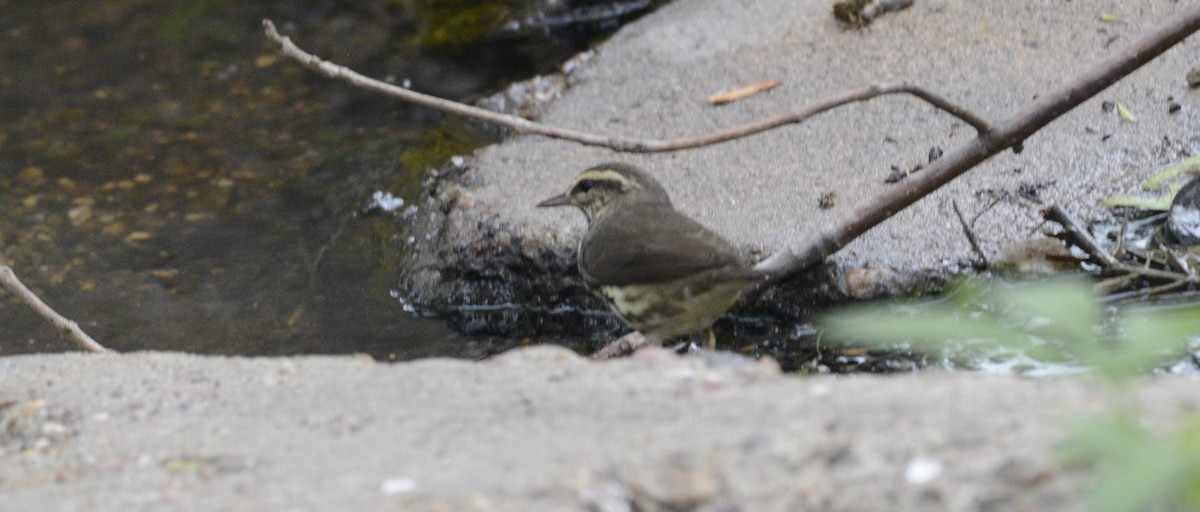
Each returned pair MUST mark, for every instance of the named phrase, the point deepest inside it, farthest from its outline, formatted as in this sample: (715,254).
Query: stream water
(171,183)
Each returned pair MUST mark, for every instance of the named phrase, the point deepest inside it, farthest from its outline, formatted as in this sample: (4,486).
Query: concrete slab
(536,430)
(652,79)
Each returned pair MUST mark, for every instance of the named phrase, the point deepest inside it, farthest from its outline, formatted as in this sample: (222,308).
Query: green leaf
(1033,318)
(1190,164)
(1063,309)
(1161,203)
(1125,114)
(1049,321)
(930,328)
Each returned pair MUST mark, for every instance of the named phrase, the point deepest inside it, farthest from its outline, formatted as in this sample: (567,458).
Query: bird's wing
(653,248)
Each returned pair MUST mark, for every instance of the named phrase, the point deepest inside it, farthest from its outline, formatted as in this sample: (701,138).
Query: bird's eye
(585,186)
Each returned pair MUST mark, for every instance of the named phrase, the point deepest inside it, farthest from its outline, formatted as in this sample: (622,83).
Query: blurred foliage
(1138,468)
(1054,321)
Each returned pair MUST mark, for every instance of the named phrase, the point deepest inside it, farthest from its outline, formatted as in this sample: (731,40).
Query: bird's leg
(710,339)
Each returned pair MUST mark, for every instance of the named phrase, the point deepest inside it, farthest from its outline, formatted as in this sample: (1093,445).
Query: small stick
(1163,288)
(983,259)
(991,204)
(1109,285)
(742,92)
(1178,263)
(66,328)
(1120,248)
(1081,236)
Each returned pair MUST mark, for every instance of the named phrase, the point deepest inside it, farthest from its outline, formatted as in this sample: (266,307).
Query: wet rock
(1183,221)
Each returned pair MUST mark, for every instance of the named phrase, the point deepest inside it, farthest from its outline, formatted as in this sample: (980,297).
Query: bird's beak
(558,200)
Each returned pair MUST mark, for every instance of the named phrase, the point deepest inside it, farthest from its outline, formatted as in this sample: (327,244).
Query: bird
(662,273)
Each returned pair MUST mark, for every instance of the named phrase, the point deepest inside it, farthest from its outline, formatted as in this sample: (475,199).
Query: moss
(431,149)
(456,23)
(178,22)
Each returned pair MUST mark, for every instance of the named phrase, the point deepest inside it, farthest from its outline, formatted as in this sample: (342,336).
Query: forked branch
(618,142)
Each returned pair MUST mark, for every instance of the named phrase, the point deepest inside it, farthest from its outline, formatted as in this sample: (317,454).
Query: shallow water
(171,183)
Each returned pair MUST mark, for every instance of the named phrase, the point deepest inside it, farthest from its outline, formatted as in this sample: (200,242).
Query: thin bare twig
(66,328)
(1081,236)
(617,142)
(1108,287)
(1164,288)
(1121,235)
(1178,263)
(970,234)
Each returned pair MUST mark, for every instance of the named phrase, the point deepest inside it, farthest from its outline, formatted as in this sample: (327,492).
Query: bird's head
(596,190)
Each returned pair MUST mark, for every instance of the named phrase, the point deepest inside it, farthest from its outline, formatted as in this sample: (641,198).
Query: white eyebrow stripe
(606,175)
